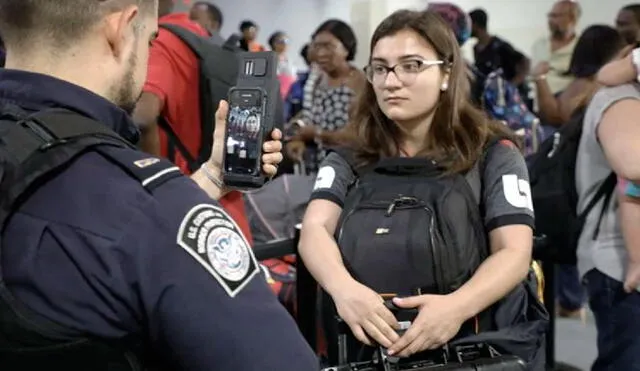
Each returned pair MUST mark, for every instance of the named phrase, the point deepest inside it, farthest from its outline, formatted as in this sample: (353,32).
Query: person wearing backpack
(596,46)
(171,111)
(112,259)
(425,203)
(608,149)
(609,265)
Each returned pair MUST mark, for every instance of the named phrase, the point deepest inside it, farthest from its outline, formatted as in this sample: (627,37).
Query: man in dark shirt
(491,52)
(100,254)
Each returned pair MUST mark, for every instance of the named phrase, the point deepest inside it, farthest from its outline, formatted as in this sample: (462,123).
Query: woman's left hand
(438,321)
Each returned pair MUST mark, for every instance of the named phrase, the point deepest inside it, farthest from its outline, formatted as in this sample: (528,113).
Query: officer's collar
(34,92)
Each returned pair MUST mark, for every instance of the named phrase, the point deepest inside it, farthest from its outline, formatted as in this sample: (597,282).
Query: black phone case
(257,70)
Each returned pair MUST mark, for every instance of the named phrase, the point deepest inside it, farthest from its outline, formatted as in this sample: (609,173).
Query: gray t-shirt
(606,254)
(506,193)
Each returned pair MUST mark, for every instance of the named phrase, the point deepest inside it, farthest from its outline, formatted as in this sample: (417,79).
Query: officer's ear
(121,29)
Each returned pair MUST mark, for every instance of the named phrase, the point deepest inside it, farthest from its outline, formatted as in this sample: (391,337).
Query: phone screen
(244,132)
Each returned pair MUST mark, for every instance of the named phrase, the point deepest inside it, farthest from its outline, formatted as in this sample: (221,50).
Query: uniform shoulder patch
(151,172)
(209,234)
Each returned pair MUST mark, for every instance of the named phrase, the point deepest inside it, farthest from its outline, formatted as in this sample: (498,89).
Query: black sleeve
(334,179)
(506,190)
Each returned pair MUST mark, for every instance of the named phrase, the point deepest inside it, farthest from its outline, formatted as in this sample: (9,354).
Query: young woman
(417,105)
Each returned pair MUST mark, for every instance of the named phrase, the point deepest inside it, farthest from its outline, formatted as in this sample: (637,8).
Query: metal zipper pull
(391,208)
(556,144)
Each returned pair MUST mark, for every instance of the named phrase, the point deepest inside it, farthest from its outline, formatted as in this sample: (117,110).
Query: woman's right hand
(365,313)
(307,133)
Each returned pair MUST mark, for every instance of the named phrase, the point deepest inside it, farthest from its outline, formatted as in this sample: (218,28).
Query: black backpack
(34,149)
(388,207)
(555,198)
(219,68)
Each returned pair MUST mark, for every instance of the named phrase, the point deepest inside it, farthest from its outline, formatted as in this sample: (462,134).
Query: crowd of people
(115,255)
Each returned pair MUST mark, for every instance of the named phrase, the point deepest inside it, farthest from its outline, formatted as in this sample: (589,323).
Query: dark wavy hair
(459,130)
(274,37)
(343,32)
(597,46)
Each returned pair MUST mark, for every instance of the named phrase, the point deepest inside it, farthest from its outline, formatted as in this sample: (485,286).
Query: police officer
(98,258)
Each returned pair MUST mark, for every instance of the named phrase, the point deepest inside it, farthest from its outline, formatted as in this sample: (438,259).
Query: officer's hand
(365,313)
(271,150)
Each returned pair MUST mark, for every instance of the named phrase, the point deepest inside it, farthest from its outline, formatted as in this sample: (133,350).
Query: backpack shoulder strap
(232,43)
(197,45)
(605,191)
(33,150)
(476,175)
(349,156)
(39,146)
(193,41)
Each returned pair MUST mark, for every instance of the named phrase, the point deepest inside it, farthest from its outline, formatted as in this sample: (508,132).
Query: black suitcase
(493,362)
(474,357)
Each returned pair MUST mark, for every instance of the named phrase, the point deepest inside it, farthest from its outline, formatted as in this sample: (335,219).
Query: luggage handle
(410,313)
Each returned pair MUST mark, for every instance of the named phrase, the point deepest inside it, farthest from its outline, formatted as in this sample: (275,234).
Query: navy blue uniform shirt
(97,253)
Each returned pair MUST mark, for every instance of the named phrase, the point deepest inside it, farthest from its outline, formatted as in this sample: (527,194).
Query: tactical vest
(33,150)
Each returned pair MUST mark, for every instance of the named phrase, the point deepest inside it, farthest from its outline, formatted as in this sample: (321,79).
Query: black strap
(605,191)
(175,144)
(191,39)
(198,46)
(41,146)
(232,43)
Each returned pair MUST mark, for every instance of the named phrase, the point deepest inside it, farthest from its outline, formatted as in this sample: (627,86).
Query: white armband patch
(325,178)
(209,234)
(517,192)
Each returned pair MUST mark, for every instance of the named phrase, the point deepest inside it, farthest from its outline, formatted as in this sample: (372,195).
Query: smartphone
(245,133)
(251,119)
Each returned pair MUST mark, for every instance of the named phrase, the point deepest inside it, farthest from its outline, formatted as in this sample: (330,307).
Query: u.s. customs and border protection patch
(209,234)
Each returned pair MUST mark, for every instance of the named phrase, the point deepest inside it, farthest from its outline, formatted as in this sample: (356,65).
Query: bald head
(563,18)
(571,7)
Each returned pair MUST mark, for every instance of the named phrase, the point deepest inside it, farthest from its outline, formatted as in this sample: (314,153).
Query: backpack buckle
(39,130)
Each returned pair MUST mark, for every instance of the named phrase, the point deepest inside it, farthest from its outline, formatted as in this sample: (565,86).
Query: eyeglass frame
(425,65)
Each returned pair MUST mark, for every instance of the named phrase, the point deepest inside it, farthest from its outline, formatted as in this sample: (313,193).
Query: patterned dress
(327,107)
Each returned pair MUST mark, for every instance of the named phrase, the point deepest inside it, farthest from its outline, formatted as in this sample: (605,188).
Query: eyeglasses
(405,71)
(326,46)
